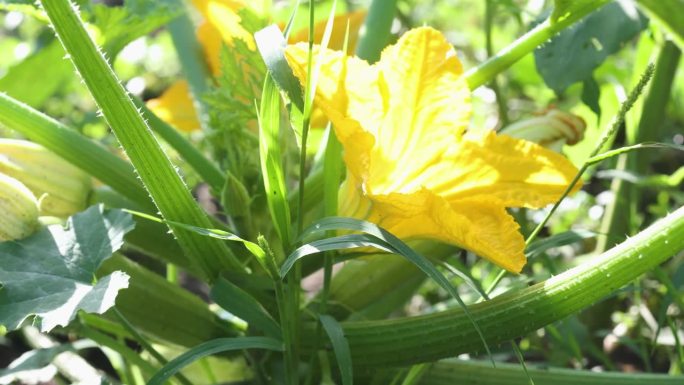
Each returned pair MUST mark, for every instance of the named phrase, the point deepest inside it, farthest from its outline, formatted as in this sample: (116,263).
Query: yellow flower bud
(18,209)
(62,189)
(551,130)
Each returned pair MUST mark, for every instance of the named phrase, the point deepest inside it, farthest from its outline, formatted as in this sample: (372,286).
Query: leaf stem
(486,71)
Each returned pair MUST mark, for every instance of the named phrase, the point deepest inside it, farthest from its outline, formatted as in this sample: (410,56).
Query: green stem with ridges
(486,71)
(206,169)
(467,372)
(159,176)
(446,334)
(73,147)
(375,33)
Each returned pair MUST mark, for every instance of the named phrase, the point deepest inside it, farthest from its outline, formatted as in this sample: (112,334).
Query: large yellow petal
(224,16)
(175,107)
(480,226)
(487,166)
(414,103)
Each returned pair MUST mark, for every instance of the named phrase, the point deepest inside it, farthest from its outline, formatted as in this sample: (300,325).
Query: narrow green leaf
(340,347)
(242,304)
(271,160)
(557,240)
(157,173)
(271,44)
(343,242)
(218,345)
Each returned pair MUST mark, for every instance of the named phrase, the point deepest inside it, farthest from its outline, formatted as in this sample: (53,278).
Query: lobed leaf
(51,273)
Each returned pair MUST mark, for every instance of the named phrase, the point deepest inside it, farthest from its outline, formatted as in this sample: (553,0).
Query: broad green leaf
(218,345)
(573,54)
(54,71)
(340,347)
(240,303)
(51,273)
(669,13)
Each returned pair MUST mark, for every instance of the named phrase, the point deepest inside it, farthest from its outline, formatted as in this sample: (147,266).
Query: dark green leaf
(242,304)
(212,347)
(591,94)
(573,54)
(340,347)
(51,273)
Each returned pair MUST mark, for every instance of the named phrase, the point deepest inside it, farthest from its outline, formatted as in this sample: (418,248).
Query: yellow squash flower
(222,25)
(413,166)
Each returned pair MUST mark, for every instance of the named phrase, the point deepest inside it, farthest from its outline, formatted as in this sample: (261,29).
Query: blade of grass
(160,177)
(208,348)
(340,347)
(271,161)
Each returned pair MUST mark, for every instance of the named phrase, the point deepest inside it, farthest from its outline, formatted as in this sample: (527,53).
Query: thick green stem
(73,147)
(470,372)
(206,169)
(449,333)
(375,33)
(159,176)
(485,72)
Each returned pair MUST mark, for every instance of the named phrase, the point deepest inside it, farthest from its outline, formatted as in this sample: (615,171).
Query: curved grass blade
(537,248)
(342,242)
(400,248)
(340,347)
(271,160)
(208,348)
